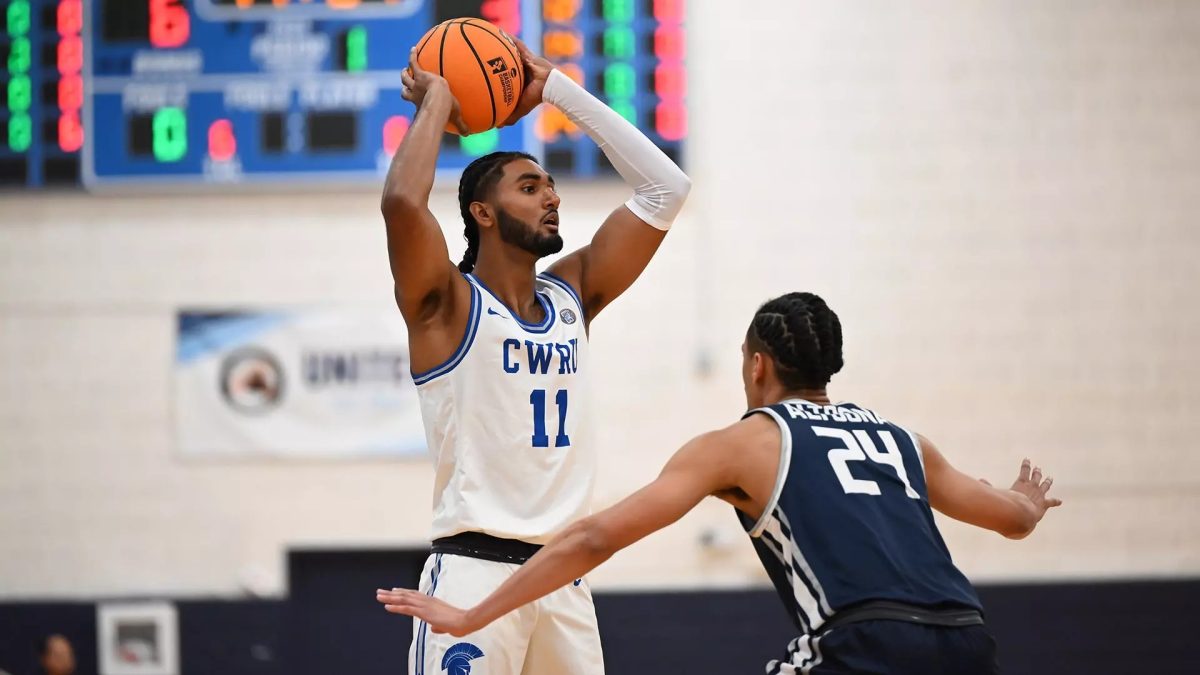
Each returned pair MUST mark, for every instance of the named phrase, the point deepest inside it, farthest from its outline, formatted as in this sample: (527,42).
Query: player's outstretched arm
(630,236)
(1014,512)
(420,262)
(700,468)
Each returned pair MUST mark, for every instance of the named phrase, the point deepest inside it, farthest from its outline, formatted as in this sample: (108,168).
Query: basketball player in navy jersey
(499,357)
(838,502)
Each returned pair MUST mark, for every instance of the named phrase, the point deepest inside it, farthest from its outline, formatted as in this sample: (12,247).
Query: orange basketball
(483,68)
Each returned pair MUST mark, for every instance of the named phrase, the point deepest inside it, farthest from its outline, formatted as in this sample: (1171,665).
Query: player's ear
(758,369)
(483,214)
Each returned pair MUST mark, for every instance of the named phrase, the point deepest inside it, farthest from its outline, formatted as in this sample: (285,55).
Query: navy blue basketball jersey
(849,520)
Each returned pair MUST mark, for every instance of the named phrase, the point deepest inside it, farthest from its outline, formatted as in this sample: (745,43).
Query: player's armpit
(972,501)
(421,268)
(618,253)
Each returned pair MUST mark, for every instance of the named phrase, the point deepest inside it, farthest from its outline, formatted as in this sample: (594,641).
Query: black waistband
(887,610)
(486,547)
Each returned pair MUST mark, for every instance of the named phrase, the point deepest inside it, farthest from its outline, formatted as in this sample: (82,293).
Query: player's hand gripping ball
(481,65)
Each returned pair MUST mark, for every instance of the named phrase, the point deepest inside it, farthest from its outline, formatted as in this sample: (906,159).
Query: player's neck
(817,396)
(510,279)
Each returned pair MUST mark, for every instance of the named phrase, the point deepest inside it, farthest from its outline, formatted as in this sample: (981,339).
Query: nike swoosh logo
(495,313)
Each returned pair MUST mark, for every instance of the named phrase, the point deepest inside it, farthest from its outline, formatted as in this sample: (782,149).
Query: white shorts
(556,635)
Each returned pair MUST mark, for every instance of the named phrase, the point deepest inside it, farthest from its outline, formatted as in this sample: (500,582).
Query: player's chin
(550,244)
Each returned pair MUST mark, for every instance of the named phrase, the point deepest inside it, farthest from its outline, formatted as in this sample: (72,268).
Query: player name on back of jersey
(803,410)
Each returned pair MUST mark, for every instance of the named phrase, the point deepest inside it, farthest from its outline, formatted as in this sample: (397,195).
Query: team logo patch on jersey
(457,660)
(567,316)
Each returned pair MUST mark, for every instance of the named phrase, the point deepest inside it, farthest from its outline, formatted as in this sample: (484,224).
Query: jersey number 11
(537,398)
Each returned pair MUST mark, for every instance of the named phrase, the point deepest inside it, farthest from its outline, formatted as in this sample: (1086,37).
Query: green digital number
(170,134)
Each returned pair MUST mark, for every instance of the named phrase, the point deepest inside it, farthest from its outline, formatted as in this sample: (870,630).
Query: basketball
(481,65)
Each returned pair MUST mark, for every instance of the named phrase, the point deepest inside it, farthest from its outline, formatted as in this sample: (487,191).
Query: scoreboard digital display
(41,92)
(140,93)
(630,54)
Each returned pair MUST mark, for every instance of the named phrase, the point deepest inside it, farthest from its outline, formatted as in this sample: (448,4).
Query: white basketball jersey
(506,420)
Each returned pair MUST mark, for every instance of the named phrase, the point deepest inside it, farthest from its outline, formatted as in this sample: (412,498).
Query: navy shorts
(888,647)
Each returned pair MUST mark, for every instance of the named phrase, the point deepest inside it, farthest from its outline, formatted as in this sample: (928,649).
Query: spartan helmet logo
(498,65)
(457,660)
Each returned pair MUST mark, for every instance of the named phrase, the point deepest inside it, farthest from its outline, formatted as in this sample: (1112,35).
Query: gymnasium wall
(999,199)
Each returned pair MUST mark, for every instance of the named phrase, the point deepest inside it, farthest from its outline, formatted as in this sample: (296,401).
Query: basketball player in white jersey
(499,356)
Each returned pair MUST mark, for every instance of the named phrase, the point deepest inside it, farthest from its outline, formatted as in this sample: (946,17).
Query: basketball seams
(428,38)
(442,53)
(460,66)
(462,27)
(507,47)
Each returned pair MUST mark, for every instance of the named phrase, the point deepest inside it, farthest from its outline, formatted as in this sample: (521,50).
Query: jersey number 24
(858,446)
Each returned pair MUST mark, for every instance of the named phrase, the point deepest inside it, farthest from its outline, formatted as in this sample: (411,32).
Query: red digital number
(670,120)
(668,42)
(170,25)
(70,132)
(670,81)
(668,10)
(222,144)
(394,130)
(70,55)
(70,17)
(70,93)
(506,14)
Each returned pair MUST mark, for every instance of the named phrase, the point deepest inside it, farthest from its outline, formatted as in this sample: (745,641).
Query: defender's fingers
(1024,474)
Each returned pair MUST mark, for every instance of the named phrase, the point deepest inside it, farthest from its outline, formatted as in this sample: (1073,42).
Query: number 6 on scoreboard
(170,25)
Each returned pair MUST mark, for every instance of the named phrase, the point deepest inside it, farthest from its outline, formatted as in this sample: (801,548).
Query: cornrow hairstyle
(477,181)
(803,337)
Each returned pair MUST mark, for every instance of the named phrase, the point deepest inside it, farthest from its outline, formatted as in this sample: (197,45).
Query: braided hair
(803,337)
(477,181)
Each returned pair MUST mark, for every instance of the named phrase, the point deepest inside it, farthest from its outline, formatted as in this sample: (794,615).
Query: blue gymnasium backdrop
(176,93)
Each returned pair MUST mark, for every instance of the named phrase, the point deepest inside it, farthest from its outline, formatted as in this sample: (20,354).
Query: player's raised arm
(420,263)
(629,237)
(1013,513)
(702,467)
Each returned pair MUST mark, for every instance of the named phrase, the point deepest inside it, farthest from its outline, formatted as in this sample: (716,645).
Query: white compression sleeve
(659,187)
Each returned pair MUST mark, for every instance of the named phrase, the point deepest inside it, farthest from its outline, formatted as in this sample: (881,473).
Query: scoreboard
(630,54)
(141,93)
(41,92)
